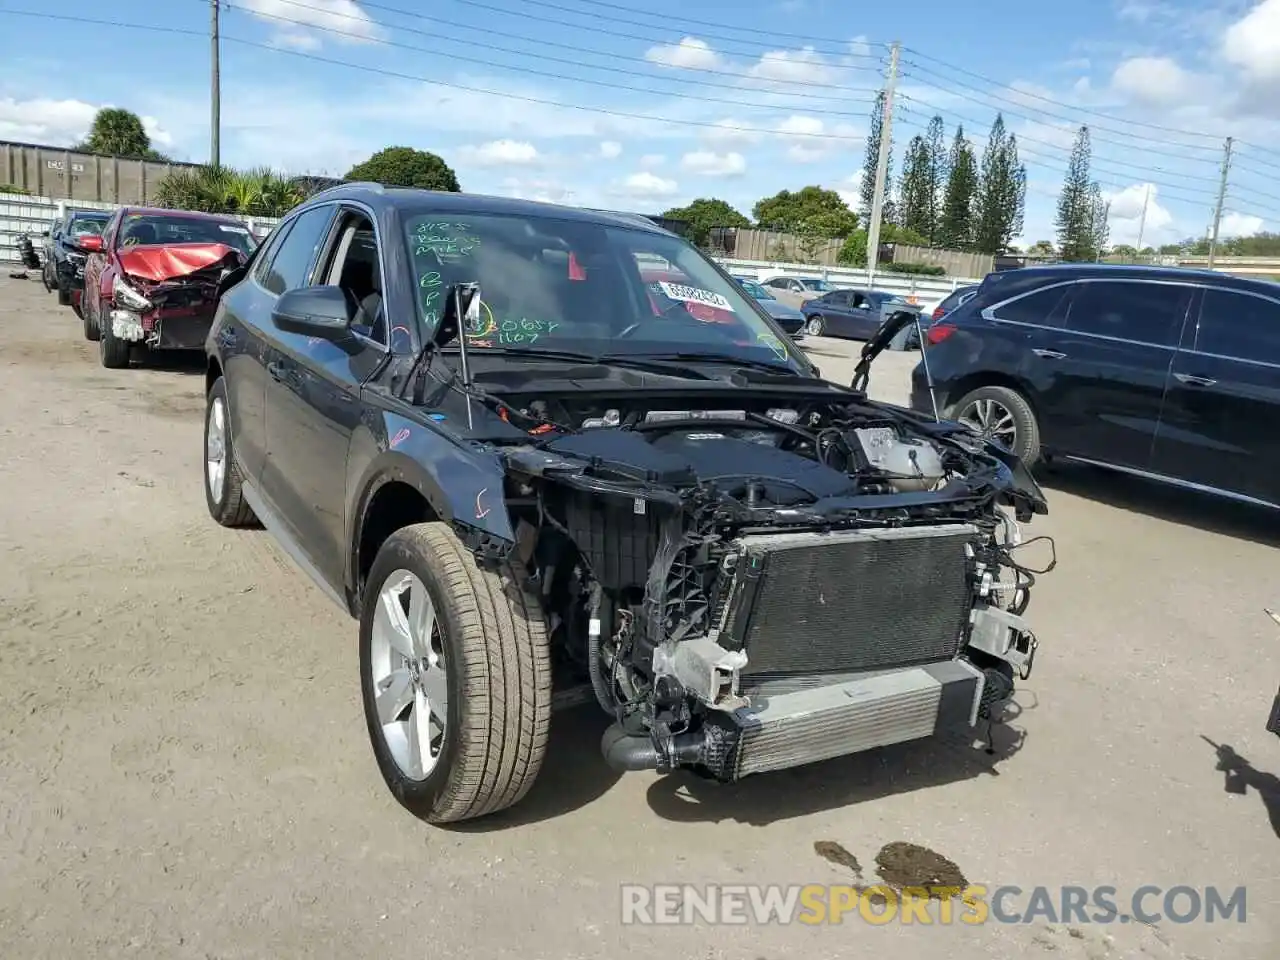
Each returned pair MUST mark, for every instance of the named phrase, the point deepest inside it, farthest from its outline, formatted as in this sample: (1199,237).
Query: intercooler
(814,604)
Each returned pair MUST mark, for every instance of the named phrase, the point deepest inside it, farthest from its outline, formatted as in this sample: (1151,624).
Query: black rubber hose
(601,609)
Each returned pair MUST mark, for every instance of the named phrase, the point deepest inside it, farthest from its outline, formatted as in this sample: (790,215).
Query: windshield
(552,284)
(757,291)
(86,226)
(821,285)
(146,228)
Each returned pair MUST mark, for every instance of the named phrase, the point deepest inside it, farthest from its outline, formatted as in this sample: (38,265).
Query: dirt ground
(184,769)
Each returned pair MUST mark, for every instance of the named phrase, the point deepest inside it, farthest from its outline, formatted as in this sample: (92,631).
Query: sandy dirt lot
(184,770)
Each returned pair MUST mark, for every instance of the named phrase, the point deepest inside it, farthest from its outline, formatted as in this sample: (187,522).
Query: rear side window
(1043,308)
(291,263)
(1127,310)
(1239,325)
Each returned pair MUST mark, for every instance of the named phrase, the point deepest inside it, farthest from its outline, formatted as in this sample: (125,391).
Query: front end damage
(784,582)
(165,296)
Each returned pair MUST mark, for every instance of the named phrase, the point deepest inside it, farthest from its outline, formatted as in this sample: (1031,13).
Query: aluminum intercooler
(810,604)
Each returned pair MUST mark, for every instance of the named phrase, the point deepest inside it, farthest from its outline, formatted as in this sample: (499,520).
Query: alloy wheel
(991,420)
(215,450)
(409,674)
(815,326)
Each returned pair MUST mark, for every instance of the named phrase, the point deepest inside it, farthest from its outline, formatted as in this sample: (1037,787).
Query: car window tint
(1143,312)
(268,251)
(291,265)
(1239,325)
(1045,308)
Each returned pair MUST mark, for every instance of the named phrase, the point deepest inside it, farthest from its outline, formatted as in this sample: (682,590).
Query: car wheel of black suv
(223,490)
(64,295)
(1002,414)
(455,673)
(44,278)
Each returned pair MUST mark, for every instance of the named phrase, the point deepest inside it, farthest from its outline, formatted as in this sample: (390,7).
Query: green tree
(935,138)
(118,133)
(1041,248)
(1076,214)
(809,210)
(703,214)
(406,167)
(853,252)
(916,200)
(871,160)
(1001,195)
(1101,232)
(253,193)
(955,226)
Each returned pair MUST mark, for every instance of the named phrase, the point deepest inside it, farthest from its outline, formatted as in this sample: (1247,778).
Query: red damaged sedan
(151,280)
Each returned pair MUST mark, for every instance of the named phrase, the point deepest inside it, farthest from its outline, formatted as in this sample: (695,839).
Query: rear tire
(816,326)
(64,295)
(89,320)
(224,492)
(113,351)
(997,406)
(488,635)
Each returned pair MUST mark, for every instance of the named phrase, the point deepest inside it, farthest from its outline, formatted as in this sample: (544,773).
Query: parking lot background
(184,770)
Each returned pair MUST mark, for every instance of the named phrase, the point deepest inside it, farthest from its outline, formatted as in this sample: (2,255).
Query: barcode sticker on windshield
(678,291)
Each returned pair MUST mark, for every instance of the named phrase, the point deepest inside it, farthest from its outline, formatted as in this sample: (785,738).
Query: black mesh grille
(821,604)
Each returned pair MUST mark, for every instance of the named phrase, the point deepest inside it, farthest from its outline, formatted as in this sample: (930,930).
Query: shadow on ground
(1240,776)
(1159,501)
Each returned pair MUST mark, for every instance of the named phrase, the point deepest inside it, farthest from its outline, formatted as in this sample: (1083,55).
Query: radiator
(850,601)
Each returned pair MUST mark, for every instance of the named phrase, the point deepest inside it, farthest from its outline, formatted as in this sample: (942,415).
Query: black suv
(479,429)
(1166,373)
(64,257)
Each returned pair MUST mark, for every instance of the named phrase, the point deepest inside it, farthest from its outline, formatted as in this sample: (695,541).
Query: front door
(1218,428)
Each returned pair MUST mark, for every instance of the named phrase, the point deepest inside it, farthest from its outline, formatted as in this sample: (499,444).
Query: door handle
(1048,354)
(1192,381)
(277,371)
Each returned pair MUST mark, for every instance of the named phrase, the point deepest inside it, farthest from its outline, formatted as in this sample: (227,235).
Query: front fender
(461,480)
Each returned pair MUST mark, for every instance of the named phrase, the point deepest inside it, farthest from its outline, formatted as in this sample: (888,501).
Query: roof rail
(344,185)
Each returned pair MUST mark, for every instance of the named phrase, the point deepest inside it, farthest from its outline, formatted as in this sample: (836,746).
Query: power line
(569,79)
(574,48)
(1050,100)
(624,115)
(1140,138)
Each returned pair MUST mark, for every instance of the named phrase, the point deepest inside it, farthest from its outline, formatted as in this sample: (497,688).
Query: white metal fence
(34,215)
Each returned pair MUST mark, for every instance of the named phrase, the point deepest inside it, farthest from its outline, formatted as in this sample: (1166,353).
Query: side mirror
(315,311)
(229,278)
(91,242)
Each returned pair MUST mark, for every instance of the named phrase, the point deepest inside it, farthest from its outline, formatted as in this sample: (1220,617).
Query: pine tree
(915,190)
(1075,220)
(871,160)
(935,140)
(1001,192)
(955,228)
(1101,227)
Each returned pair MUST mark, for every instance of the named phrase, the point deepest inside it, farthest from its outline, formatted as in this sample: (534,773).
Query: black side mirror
(315,311)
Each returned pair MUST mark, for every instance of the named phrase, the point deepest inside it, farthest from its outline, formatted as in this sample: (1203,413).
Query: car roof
(74,212)
(447,202)
(1121,271)
(186,214)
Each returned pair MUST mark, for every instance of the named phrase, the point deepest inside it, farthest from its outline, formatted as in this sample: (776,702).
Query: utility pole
(1222,198)
(1142,220)
(215,84)
(882,164)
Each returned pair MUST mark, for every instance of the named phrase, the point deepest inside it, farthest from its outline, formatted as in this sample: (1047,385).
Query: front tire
(1004,415)
(455,674)
(113,351)
(223,484)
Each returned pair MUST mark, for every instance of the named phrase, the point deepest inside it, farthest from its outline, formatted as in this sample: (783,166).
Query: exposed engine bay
(167,295)
(763,578)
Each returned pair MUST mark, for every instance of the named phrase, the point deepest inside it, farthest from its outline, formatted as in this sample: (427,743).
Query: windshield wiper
(645,363)
(776,369)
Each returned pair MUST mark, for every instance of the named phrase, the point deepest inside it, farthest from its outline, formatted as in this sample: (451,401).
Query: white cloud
(1157,81)
(60,123)
(546,191)
(1125,215)
(732,131)
(809,140)
(346,17)
(1253,42)
(296,40)
(610,149)
(650,160)
(1240,225)
(801,125)
(646,185)
(850,189)
(689,52)
(501,153)
(709,164)
(804,66)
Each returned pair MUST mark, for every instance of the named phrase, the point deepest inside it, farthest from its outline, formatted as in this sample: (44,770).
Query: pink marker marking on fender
(400,437)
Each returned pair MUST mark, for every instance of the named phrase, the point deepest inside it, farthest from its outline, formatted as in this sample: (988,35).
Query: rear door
(1219,425)
(1098,353)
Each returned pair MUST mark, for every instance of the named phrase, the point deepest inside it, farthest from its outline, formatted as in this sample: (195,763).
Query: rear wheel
(1003,415)
(89,320)
(455,673)
(64,294)
(817,325)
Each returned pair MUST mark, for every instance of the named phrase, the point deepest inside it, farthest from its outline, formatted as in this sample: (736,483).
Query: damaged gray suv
(532,472)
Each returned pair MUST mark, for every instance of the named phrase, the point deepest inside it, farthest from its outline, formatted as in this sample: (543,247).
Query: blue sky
(646,107)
